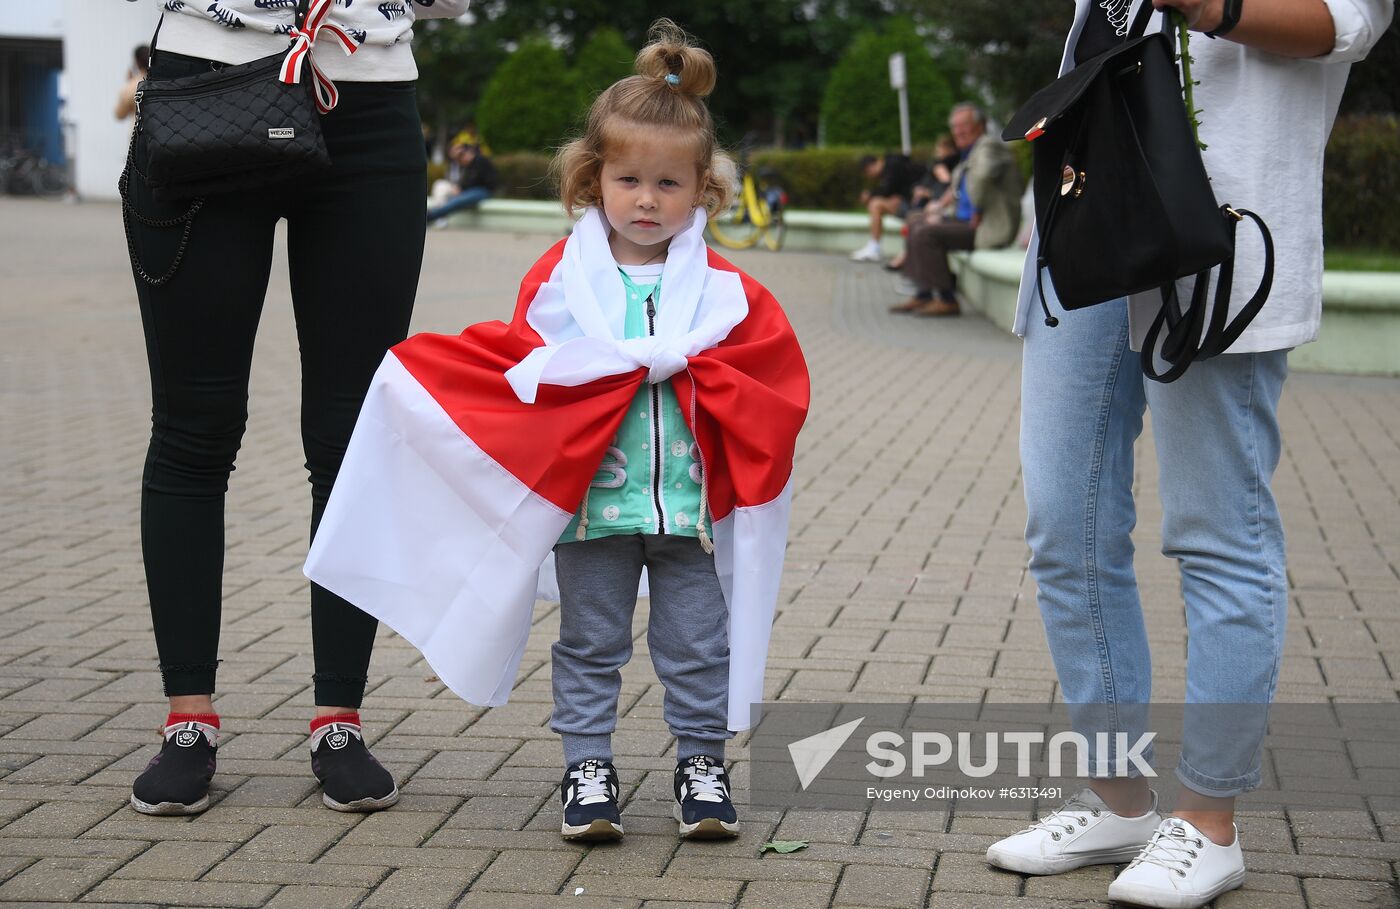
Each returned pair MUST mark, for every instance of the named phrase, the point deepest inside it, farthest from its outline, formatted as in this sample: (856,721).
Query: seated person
(469,134)
(980,210)
(897,175)
(940,172)
(934,184)
(470,181)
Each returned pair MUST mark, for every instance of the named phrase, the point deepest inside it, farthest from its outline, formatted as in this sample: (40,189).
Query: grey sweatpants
(688,636)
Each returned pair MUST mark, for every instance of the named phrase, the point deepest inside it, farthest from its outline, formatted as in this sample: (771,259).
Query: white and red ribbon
(303,39)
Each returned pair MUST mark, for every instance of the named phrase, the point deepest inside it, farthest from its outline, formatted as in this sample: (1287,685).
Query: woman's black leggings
(355,246)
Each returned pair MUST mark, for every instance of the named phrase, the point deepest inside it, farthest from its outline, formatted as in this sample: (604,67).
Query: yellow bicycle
(755,214)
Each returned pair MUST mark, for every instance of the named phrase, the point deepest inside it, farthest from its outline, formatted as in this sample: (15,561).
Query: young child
(640,410)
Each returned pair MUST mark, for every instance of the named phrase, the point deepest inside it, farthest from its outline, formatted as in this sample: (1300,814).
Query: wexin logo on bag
(283,132)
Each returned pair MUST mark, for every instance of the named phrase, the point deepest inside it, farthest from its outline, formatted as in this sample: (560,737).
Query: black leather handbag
(1123,203)
(234,128)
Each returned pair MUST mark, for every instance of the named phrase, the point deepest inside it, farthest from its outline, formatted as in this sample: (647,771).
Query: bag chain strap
(129,211)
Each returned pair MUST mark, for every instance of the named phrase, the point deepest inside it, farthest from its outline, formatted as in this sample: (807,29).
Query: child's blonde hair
(649,100)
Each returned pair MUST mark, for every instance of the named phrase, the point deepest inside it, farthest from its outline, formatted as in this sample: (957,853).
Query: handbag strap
(1183,343)
(1138,28)
(129,212)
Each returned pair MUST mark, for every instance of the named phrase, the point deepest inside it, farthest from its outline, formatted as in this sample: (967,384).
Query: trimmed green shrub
(603,59)
(1361,183)
(860,108)
(524,175)
(823,178)
(531,101)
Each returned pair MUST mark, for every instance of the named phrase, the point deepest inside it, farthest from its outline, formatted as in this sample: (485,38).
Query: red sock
(208,719)
(353,717)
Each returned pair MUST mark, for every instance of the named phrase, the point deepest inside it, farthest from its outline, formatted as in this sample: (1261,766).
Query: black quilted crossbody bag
(226,130)
(1124,204)
(231,129)
(234,128)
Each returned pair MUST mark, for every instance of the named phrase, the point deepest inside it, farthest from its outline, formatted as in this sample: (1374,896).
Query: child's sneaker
(176,781)
(589,792)
(351,779)
(703,806)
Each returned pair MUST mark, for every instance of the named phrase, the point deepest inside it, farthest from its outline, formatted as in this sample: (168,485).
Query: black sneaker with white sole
(176,781)
(351,779)
(589,792)
(703,806)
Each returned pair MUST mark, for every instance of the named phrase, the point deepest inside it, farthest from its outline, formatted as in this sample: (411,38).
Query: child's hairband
(673,79)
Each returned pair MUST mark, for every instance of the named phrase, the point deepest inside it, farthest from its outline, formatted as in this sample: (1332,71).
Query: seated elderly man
(980,210)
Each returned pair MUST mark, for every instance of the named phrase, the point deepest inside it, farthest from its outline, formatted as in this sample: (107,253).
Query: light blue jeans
(1083,396)
(467,198)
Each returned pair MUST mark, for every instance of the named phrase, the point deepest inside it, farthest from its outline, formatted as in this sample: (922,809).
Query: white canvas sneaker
(1082,831)
(870,252)
(1179,868)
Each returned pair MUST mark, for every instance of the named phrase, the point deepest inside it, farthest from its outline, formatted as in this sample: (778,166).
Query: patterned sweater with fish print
(236,31)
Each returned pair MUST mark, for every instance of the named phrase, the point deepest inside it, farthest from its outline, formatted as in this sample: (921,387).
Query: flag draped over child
(472,452)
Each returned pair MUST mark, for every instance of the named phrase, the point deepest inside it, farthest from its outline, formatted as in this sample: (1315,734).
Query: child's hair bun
(670,53)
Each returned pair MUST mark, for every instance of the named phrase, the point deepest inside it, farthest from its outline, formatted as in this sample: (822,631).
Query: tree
(603,60)
(860,108)
(1012,56)
(1005,55)
(531,102)
(454,61)
(1374,84)
(773,57)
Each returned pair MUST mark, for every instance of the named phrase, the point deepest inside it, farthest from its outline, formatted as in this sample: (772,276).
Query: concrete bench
(1360,314)
(810,231)
(1360,311)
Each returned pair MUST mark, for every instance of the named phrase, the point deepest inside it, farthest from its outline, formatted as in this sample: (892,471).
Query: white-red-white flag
(454,490)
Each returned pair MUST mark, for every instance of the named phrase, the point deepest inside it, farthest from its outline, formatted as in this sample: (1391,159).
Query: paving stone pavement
(905,580)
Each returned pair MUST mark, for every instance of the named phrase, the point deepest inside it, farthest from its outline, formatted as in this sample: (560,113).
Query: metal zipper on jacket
(657,502)
(706,539)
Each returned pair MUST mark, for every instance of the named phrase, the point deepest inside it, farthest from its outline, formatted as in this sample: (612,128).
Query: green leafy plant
(525,175)
(822,178)
(1360,183)
(531,101)
(1188,85)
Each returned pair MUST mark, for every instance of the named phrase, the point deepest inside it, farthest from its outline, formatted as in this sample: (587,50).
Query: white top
(237,31)
(1266,120)
(581,312)
(644,271)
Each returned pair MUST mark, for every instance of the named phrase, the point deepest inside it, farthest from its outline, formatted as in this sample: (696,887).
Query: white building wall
(31,20)
(98,38)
